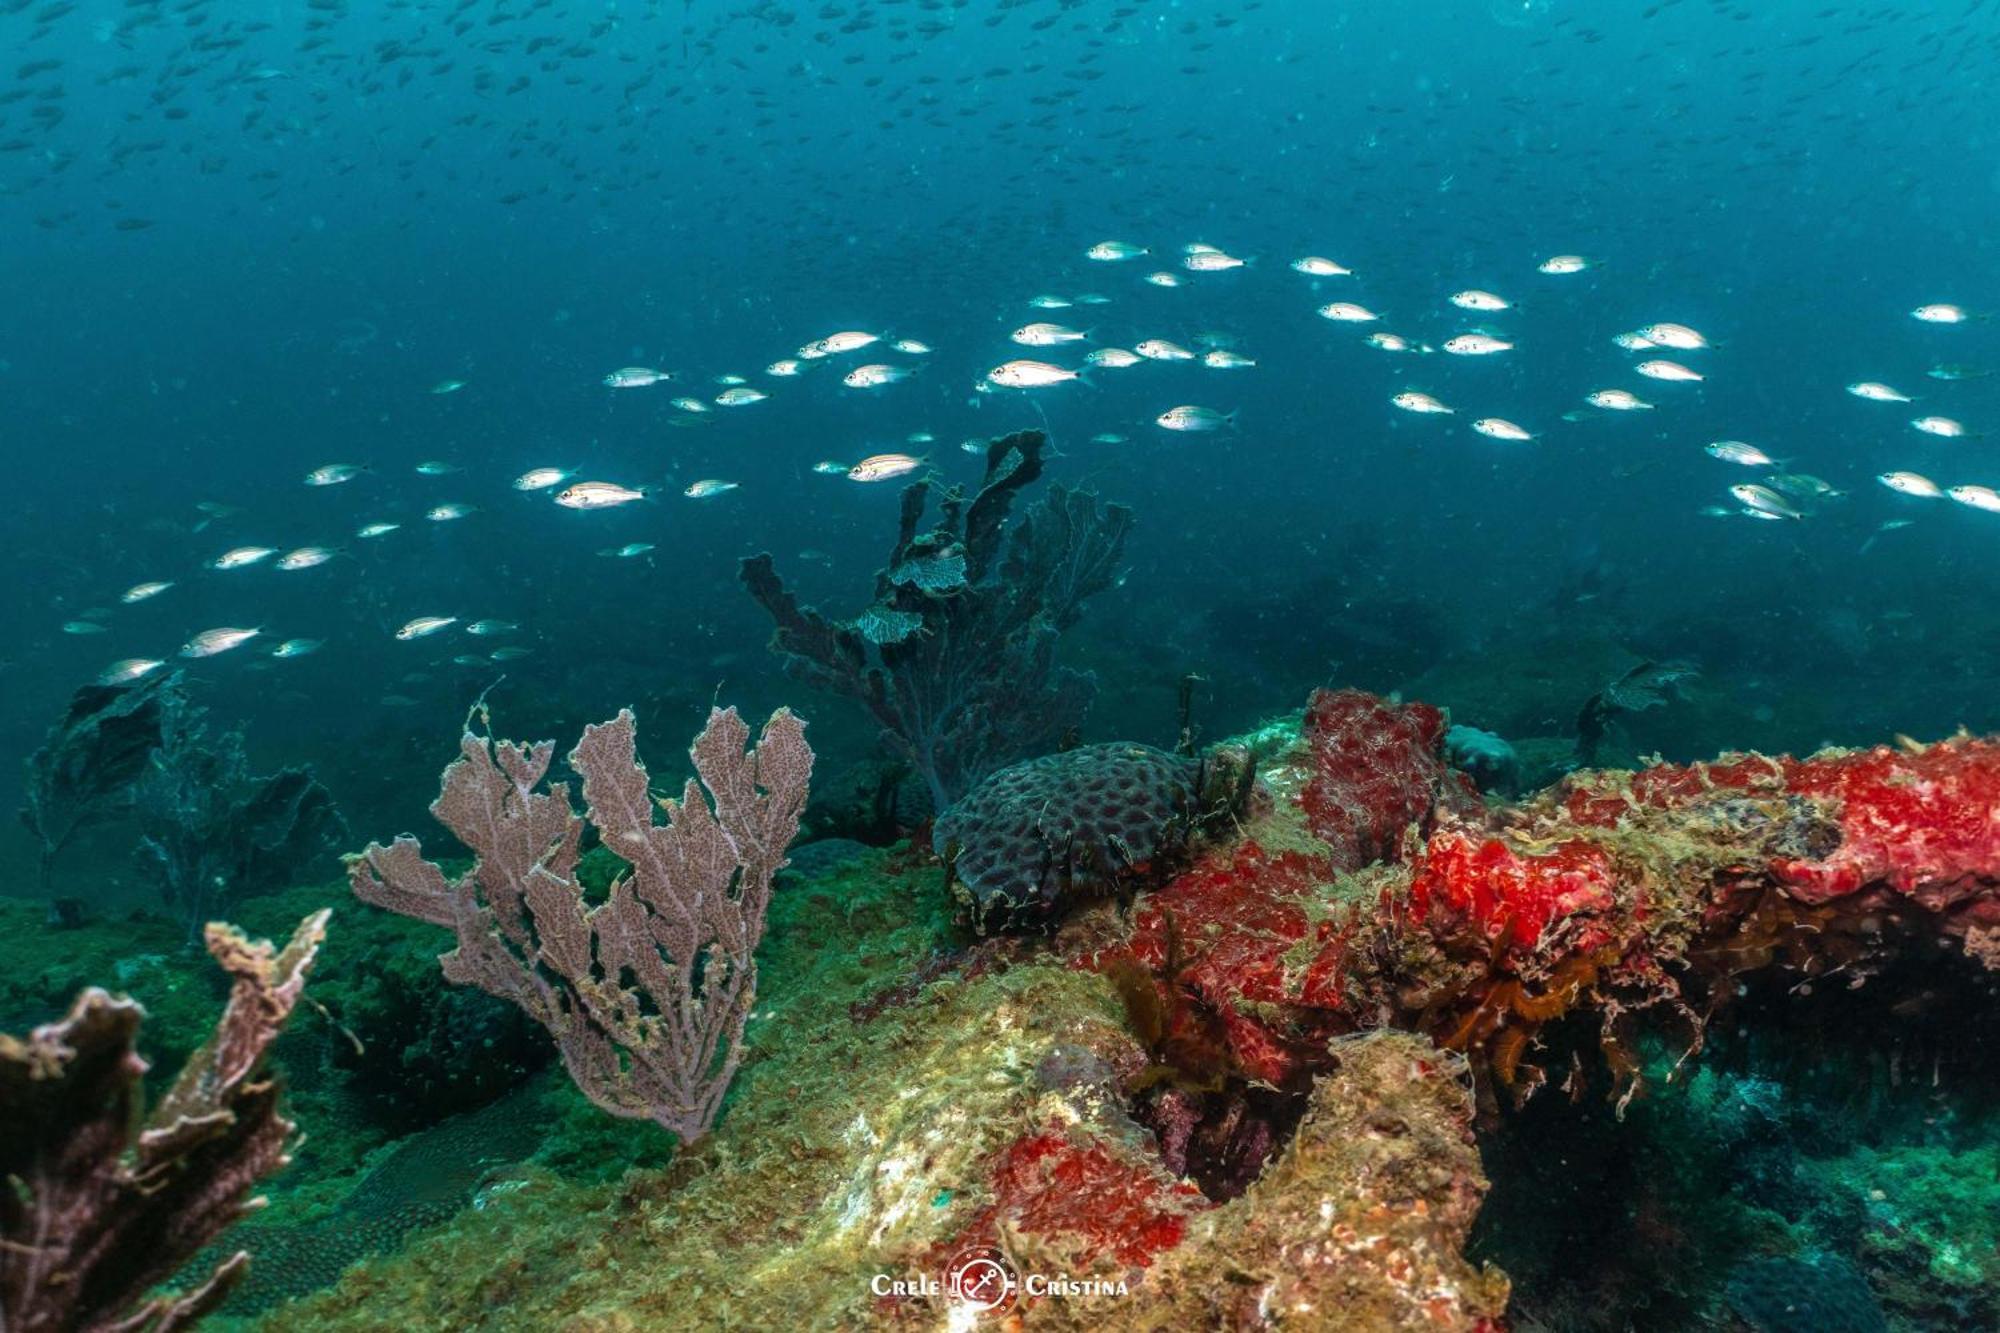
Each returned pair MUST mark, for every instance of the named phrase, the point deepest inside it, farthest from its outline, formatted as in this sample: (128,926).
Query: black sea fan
(955,655)
(214,834)
(84,772)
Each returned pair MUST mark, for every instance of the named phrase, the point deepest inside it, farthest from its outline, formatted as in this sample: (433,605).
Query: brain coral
(1030,834)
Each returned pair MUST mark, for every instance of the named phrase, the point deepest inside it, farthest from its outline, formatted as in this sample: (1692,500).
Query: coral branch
(647,993)
(91,1221)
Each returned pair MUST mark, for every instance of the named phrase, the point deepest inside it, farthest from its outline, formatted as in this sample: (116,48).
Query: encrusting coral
(647,993)
(93,1218)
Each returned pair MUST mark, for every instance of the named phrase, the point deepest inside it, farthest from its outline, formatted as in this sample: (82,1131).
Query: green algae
(841,1142)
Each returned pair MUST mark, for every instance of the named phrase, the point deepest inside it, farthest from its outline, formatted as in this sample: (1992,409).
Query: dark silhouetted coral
(213,833)
(84,772)
(94,1218)
(646,994)
(955,656)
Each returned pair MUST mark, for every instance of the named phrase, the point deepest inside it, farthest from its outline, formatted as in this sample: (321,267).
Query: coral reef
(877,1137)
(647,993)
(94,1217)
(955,657)
(1194,1110)
(212,834)
(1612,892)
(1022,844)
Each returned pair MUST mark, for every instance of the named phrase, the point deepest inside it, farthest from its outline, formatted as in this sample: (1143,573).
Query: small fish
(702,490)
(242,556)
(911,347)
(1891,525)
(139,592)
(740,396)
(1346,312)
(82,627)
(541,478)
(881,467)
(1091,298)
(1210,260)
(848,340)
(598,495)
(1911,483)
(445,513)
(306,557)
(1942,427)
(1977,497)
(1420,403)
(1499,428)
(1030,375)
(1047,302)
(484,627)
(1562,265)
(692,405)
(874,376)
(1159,349)
(434,468)
(296,647)
(512,652)
(1679,337)
(628,550)
(1389,342)
(1804,486)
(726,380)
(784,369)
(1940,313)
(1735,451)
(1618,400)
(1672,372)
(920,437)
(370,531)
(1474,299)
(1188,417)
(1877,393)
(1476,344)
(829,468)
(212,641)
(1634,342)
(1113,252)
(1046,335)
(974,446)
(1222,358)
(333,474)
(1317,266)
(1164,279)
(424,625)
(1107,437)
(635,377)
(126,670)
(1951,372)
(1764,500)
(470,660)
(447,386)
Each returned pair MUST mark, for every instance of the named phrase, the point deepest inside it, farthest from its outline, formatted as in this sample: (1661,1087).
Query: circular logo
(981,1278)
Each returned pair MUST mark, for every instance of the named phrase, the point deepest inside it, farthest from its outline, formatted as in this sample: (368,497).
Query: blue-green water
(241,242)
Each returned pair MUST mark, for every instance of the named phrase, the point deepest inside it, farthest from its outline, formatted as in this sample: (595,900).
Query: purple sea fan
(647,993)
